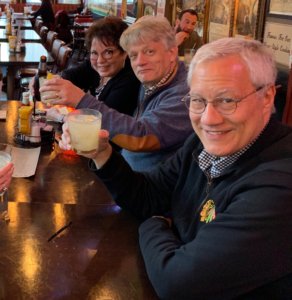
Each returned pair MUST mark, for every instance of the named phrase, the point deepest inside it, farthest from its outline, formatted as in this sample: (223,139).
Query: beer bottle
(40,76)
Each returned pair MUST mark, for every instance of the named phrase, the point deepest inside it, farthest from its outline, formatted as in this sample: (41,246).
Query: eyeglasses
(224,105)
(105,54)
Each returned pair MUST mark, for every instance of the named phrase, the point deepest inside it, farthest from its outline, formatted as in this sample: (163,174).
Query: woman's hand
(6,176)
(100,156)
(62,91)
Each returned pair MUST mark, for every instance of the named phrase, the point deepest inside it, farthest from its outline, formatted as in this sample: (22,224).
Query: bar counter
(96,257)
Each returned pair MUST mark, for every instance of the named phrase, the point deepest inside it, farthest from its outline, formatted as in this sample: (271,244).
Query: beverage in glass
(188,56)
(84,126)
(49,95)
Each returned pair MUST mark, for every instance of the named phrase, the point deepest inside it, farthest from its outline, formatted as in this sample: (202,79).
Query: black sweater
(120,93)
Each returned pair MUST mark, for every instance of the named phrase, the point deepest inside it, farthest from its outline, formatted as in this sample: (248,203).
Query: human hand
(6,176)
(99,156)
(31,86)
(66,93)
(180,37)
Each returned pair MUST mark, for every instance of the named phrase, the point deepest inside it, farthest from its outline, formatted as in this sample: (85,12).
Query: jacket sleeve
(247,246)
(164,124)
(127,186)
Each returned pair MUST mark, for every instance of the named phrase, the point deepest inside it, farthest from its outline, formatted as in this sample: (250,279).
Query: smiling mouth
(217,132)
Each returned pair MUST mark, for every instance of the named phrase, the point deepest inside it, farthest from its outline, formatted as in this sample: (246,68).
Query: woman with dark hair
(47,14)
(107,74)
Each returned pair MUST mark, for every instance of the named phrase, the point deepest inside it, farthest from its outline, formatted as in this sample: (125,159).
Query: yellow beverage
(51,95)
(12,42)
(84,130)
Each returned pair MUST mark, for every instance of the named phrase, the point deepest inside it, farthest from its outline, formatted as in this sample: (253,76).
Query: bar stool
(51,36)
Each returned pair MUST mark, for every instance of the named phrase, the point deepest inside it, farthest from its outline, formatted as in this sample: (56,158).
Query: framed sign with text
(278,37)
(280,7)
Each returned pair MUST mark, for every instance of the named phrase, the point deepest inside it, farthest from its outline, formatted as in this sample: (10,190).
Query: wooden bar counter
(96,257)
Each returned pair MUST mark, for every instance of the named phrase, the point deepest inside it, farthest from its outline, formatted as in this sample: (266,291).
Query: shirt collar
(215,165)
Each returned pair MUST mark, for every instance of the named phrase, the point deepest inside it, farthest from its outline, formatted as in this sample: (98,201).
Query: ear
(125,54)
(173,53)
(269,98)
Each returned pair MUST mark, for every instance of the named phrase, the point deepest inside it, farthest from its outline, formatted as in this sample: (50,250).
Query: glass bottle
(40,77)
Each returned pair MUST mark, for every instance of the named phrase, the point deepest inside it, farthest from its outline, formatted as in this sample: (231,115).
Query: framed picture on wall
(280,8)
(221,16)
(278,37)
(278,30)
(246,19)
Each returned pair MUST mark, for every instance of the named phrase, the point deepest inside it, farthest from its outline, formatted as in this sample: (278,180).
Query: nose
(100,58)
(140,60)
(211,116)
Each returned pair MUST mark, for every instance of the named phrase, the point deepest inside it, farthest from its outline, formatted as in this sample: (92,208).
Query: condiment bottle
(24,119)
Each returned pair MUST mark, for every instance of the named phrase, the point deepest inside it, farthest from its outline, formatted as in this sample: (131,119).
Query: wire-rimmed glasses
(223,105)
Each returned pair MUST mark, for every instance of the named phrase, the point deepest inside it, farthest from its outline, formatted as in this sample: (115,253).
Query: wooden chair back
(51,36)
(38,24)
(43,34)
(62,59)
(57,43)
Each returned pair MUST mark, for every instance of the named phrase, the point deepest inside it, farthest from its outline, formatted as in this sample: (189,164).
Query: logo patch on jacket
(208,212)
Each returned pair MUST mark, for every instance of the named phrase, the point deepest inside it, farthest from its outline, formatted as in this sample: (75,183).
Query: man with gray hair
(160,125)
(218,214)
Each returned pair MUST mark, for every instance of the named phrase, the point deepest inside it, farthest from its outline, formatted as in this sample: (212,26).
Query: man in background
(186,37)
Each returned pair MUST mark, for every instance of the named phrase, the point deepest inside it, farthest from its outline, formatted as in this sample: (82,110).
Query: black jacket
(245,252)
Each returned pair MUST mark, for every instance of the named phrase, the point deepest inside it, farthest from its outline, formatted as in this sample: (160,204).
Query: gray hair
(257,57)
(149,28)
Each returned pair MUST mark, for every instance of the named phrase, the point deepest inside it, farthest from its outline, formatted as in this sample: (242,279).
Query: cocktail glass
(84,126)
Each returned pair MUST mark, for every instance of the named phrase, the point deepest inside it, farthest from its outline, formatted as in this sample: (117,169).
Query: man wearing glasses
(218,214)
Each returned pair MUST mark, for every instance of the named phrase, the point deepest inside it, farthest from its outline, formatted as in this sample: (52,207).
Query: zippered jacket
(244,251)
